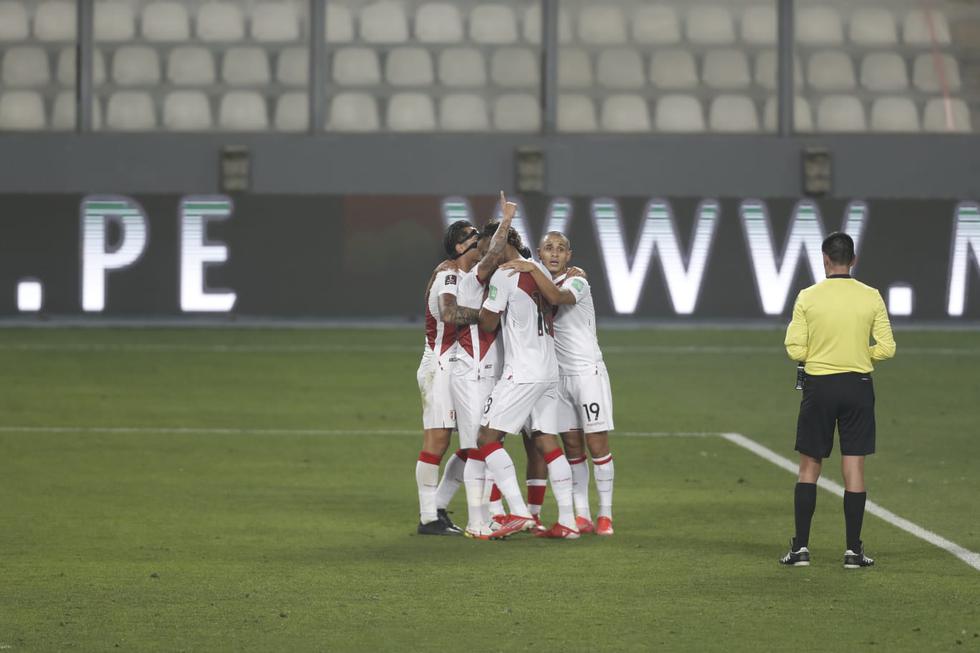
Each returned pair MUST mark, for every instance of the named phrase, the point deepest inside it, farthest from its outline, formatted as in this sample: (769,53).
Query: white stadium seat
(411,112)
(625,113)
(574,68)
(356,67)
(602,25)
(840,113)
(114,21)
(130,111)
(759,24)
(186,111)
(802,115)
(63,112)
(243,111)
(831,70)
(493,24)
(673,69)
(576,113)
(464,112)
(516,112)
(818,25)
(25,66)
(462,67)
(166,21)
(66,72)
(514,67)
(384,22)
(293,67)
(55,20)
(353,112)
(873,26)
(339,24)
(275,22)
(190,66)
(884,72)
(655,25)
(916,30)
(292,112)
(21,111)
(894,114)
(245,66)
(220,22)
(934,118)
(409,67)
(766,70)
(733,114)
(927,78)
(620,68)
(13,21)
(532,25)
(135,65)
(726,69)
(710,25)
(679,113)
(438,22)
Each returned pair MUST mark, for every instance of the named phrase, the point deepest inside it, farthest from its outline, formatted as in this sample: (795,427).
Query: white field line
(967,556)
(149,347)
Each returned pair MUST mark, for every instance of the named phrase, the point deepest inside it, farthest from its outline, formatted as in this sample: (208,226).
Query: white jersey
(440,338)
(527,319)
(478,355)
(576,343)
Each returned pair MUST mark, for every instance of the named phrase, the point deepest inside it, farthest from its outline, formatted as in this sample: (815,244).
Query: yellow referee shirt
(833,323)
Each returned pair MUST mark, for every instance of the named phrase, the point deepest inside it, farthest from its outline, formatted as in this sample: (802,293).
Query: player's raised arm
(549,290)
(498,243)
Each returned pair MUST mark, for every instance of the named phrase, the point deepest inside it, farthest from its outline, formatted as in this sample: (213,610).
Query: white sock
(493,506)
(452,478)
(580,487)
(427,479)
(474,478)
(502,467)
(604,474)
(535,494)
(560,475)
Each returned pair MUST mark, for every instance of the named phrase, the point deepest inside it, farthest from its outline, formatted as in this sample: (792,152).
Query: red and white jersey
(479,354)
(440,338)
(576,343)
(527,320)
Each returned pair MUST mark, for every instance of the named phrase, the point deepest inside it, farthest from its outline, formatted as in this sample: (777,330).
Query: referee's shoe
(857,560)
(797,556)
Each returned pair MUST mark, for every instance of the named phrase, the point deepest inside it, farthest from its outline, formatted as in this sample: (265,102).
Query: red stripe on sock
(462,454)
(602,461)
(488,449)
(475,454)
(552,455)
(495,494)
(431,458)
(576,461)
(535,494)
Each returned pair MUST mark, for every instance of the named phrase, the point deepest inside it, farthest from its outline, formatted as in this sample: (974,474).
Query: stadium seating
(21,111)
(655,25)
(353,112)
(576,113)
(840,113)
(186,111)
(620,69)
(726,69)
(408,66)
(516,112)
(63,112)
(673,69)
(625,113)
(25,66)
(462,67)
(55,21)
(884,72)
(679,113)
(894,114)
(292,112)
(463,112)
(243,111)
(130,111)
(934,116)
(411,112)
(439,22)
(733,113)
(166,22)
(802,115)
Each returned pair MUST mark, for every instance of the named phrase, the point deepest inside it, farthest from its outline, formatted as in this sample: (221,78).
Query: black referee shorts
(846,401)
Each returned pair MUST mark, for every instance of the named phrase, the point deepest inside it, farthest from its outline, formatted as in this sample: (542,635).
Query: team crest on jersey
(450,279)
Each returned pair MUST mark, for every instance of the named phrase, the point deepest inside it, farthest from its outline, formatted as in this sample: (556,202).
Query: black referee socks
(854,518)
(805,501)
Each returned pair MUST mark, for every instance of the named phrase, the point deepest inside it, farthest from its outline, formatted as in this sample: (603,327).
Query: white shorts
(585,402)
(511,404)
(469,397)
(437,403)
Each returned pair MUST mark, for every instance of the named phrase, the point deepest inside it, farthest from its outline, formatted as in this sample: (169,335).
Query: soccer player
(442,318)
(527,388)
(585,395)
(833,322)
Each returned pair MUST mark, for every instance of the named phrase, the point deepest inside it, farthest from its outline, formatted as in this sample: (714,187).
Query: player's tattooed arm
(489,321)
(452,313)
(552,293)
(495,252)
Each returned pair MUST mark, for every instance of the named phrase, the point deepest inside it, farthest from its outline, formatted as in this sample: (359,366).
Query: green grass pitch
(264,538)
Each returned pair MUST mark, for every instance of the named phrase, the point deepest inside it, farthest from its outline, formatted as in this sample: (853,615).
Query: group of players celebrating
(511,347)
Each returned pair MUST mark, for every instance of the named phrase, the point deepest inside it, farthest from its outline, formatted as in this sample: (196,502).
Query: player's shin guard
(427,479)
(502,467)
(560,476)
(452,478)
(580,486)
(604,474)
(474,478)
(536,488)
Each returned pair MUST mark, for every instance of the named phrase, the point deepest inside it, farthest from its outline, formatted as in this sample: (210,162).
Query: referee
(833,323)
